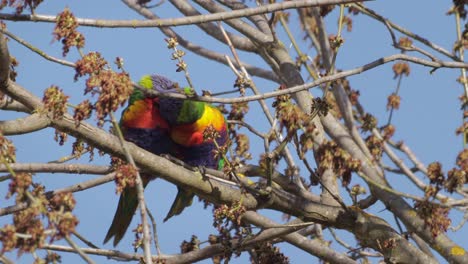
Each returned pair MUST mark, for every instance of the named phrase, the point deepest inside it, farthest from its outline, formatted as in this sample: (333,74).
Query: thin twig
(249,127)
(285,152)
(296,47)
(325,79)
(400,77)
(84,240)
(155,232)
(461,53)
(140,193)
(95,251)
(69,157)
(79,251)
(57,168)
(5,260)
(369,12)
(73,188)
(461,224)
(36,50)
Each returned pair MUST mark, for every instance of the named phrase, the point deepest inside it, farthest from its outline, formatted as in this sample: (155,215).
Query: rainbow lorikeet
(167,126)
(142,125)
(188,120)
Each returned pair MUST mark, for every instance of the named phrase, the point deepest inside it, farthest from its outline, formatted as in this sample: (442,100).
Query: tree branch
(252,33)
(259,20)
(8,104)
(4,62)
(24,125)
(373,14)
(57,168)
(330,78)
(73,188)
(183,20)
(394,203)
(312,246)
(211,29)
(211,55)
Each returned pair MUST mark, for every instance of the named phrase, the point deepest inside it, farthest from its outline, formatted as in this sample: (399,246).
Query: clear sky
(429,113)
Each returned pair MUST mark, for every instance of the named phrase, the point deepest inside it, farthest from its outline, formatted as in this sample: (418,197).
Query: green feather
(182,200)
(137,94)
(221,163)
(128,203)
(190,112)
(146,82)
(189,91)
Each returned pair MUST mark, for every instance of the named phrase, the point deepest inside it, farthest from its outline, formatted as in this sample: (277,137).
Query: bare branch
(239,42)
(330,78)
(36,50)
(7,103)
(74,188)
(86,184)
(200,50)
(140,192)
(393,202)
(285,152)
(259,20)
(4,61)
(183,20)
(102,252)
(313,246)
(372,13)
(31,123)
(57,168)
(5,260)
(252,33)
(79,251)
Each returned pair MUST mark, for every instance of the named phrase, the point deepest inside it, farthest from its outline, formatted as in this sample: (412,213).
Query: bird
(164,125)
(188,120)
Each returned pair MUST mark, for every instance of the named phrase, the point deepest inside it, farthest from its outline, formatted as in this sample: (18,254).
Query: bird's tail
(128,204)
(183,199)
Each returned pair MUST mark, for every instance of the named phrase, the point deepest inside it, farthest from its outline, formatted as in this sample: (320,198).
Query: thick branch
(406,252)
(4,61)
(24,125)
(11,105)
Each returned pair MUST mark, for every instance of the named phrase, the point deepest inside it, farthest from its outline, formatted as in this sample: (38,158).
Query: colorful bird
(172,126)
(142,125)
(188,120)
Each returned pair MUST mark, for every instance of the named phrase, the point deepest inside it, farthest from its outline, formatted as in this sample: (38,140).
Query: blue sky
(426,121)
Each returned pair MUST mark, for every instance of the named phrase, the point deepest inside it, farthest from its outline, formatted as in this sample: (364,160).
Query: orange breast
(192,134)
(143,114)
